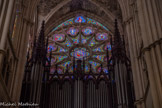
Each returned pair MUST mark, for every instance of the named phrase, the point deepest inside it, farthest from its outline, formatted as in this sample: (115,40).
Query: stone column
(23,36)
(3,41)
(150,34)
(132,29)
(6,24)
(2,15)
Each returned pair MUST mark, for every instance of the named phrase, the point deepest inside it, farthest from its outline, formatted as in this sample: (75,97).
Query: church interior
(81,53)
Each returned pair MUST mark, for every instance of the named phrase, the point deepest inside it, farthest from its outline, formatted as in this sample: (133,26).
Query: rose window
(79,37)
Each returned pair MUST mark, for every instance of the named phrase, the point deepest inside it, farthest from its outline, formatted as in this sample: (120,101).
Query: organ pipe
(82,89)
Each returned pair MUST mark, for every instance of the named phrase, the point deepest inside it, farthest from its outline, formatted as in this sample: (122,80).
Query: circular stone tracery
(79,53)
(89,41)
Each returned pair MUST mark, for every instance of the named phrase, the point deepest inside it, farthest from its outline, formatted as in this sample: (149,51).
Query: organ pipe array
(79,89)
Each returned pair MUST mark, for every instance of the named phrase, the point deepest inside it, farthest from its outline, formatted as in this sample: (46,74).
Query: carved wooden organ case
(79,89)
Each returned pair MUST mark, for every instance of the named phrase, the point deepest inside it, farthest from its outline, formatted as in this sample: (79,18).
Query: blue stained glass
(99,49)
(72,31)
(86,68)
(105,70)
(68,43)
(79,53)
(60,49)
(80,19)
(108,46)
(76,40)
(101,36)
(99,57)
(51,47)
(87,31)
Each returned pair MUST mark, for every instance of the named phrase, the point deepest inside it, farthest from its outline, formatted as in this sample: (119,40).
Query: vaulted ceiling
(56,11)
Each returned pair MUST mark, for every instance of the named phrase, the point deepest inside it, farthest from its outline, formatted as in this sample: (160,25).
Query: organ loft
(80,54)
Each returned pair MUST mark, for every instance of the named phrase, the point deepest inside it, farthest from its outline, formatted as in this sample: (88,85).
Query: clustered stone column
(18,46)
(151,32)
(144,31)
(4,28)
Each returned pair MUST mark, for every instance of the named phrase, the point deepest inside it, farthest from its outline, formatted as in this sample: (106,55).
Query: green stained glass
(91,21)
(92,42)
(94,65)
(65,64)
(60,58)
(84,39)
(68,22)
(99,49)
(99,57)
(71,69)
(68,43)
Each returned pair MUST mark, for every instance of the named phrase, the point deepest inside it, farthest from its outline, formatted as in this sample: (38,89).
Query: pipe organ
(80,89)
(60,97)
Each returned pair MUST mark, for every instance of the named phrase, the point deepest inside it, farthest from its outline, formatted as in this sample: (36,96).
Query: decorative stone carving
(45,6)
(111,5)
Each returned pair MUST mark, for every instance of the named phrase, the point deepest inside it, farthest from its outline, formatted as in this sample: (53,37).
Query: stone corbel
(128,20)
(3,52)
(143,99)
(140,101)
(28,21)
(154,44)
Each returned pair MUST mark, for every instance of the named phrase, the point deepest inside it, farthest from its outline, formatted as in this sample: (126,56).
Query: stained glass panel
(87,31)
(80,19)
(68,22)
(108,46)
(91,21)
(99,57)
(60,49)
(65,64)
(59,37)
(99,49)
(84,39)
(51,47)
(76,40)
(72,31)
(92,42)
(68,43)
(101,36)
(79,53)
(94,65)
(60,58)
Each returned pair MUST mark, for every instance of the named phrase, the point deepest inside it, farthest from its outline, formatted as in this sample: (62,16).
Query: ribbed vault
(55,12)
